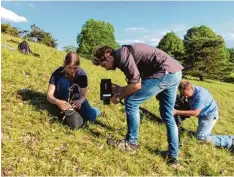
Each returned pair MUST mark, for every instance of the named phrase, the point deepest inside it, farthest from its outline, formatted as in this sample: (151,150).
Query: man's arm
(129,89)
(187,112)
(77,103)
(83,94)
(198,105)
(63,105)
(128,66)
(50,94)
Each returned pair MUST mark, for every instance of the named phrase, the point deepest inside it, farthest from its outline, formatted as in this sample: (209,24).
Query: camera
(181,104)
(106,90)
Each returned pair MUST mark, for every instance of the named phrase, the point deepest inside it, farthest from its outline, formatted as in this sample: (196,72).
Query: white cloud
(133,29)
(164,32)
(32,5)
(152,36)
(228,36)
(129,41)
(7,15)
(152,39)
(180,28)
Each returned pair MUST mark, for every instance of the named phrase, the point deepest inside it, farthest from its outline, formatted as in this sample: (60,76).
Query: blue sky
(145,22)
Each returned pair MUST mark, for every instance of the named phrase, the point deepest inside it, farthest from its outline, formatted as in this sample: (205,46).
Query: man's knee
(201,137)
(91,116)
(130,103)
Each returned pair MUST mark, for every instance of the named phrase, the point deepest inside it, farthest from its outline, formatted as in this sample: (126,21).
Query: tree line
(202,52)
(36,34)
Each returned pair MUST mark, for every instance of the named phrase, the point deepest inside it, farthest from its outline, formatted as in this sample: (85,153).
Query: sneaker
(122,144)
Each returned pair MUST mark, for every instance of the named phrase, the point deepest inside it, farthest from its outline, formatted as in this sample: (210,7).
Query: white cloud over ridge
(10,16)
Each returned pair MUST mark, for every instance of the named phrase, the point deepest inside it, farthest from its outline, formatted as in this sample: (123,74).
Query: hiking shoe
(172,161)
(122,144)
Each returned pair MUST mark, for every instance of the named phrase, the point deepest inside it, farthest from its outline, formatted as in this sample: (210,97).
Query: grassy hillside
(34,145)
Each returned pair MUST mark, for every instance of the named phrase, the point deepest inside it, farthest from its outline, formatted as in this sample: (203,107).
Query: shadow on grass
(37,99)
(163,153)
(148,115)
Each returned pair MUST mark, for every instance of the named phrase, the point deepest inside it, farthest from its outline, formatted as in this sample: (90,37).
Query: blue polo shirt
(202,99)
(63,84)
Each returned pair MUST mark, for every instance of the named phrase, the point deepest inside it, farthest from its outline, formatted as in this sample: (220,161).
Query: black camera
(181,104)
(106,90)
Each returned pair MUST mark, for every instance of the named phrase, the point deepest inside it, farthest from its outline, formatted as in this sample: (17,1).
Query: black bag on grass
(24,47)
(73,119)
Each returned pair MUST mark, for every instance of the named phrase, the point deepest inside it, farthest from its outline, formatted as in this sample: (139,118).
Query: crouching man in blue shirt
(203,106)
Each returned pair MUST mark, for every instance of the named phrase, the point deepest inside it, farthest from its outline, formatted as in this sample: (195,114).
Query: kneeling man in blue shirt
(203,106)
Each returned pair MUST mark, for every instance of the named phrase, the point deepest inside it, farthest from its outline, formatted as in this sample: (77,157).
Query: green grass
(34,145)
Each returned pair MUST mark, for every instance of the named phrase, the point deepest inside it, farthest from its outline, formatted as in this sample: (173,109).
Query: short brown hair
(183,85)
(99,53)
(72,58)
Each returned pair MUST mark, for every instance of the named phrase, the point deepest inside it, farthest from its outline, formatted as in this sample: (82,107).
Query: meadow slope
(34,145)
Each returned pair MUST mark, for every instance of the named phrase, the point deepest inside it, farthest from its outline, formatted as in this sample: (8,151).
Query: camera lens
(106,101)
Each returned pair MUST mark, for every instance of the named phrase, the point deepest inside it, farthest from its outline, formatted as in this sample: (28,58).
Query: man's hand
(116,88)
(113,98)
(63,105)
(175,112)
(76,104)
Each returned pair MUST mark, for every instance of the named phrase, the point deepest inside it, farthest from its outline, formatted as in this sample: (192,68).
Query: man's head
(103,57)
(186,89)
(71,63)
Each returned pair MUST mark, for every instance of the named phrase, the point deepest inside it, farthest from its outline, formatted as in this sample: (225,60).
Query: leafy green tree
(93,34)
(206,53)
(173,45)
(11,30)
(231,53)
(39,35)
(70,48)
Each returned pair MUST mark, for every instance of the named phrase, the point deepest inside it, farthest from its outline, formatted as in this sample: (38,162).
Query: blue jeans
(167,85)
(88,112)
(203,132)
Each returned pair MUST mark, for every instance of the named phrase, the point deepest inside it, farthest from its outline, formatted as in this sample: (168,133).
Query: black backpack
(24,47)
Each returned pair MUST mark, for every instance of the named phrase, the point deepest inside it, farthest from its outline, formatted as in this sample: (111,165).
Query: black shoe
(172,161)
